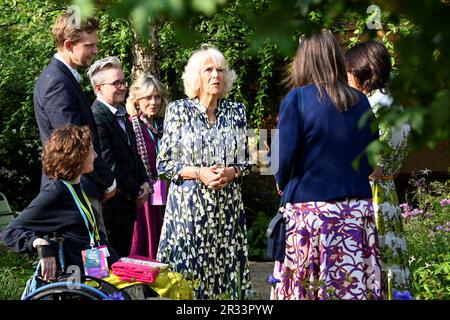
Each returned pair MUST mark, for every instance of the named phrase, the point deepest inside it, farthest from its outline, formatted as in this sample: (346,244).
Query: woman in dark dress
(61,207)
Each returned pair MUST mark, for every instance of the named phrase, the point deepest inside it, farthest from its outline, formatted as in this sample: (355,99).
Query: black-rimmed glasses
(118,83)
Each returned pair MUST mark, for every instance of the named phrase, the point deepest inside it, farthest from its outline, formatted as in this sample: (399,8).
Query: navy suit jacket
(120,152)
(59,100)
(312,159)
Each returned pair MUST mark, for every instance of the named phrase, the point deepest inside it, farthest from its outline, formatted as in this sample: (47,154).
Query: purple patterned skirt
(332,252)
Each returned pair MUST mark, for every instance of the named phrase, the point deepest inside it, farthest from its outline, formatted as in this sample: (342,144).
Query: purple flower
(272,280)
(444,202)
(416,212)
(445,228)
(405,206)
(116,296)
(402,295)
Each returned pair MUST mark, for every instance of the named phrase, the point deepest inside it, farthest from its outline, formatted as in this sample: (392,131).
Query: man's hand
(109,195)
(143,194)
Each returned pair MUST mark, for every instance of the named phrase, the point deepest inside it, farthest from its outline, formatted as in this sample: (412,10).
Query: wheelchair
(77,286)
(89,288)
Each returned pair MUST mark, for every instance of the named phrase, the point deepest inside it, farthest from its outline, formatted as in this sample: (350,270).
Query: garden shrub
(15,270)
(427,231)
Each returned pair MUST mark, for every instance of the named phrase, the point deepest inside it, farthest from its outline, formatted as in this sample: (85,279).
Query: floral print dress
(388,217)
(204,230)
(332,252)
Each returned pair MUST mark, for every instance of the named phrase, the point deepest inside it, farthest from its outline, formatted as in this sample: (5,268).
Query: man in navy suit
(119,150)
(59,99)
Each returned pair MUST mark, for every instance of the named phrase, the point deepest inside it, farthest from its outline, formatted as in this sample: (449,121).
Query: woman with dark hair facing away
(332,247)
(368,69)
(61,207)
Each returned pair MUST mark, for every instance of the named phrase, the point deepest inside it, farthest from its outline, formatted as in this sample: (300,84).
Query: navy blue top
(322,143)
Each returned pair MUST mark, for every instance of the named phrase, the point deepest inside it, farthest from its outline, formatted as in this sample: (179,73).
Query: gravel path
(258,275)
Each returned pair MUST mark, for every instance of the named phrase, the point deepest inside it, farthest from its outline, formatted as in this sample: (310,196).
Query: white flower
(388,209)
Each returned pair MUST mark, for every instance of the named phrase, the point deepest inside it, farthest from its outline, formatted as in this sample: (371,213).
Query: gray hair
(95,70)
(143,87)
(191,75)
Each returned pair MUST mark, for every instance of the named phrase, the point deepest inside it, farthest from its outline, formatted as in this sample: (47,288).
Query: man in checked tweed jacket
(119,150)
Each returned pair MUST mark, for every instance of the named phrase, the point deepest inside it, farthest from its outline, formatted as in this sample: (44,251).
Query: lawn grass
(15,270)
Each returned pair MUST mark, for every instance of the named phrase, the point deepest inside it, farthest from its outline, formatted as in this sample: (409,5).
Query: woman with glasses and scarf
(146,105)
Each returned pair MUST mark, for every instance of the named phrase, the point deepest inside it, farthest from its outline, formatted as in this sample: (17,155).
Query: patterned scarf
(158,131)
(141,147)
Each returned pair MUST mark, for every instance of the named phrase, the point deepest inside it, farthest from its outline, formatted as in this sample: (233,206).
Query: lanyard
(157,145)
(87,215)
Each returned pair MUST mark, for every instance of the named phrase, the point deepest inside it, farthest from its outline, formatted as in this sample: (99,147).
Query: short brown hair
(66,29)
(65,152)
(370,63)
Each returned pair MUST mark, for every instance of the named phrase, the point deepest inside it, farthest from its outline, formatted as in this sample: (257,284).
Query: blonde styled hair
(319,61)
(191,74)
(142,87)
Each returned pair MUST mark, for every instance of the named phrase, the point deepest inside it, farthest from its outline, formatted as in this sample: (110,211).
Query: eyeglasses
(118,83)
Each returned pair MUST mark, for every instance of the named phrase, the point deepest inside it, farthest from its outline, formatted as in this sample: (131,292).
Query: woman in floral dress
(203,154)
(369,67)
(332,249)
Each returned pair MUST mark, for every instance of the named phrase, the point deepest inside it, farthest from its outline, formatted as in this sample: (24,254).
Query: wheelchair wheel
(105,287)
(66,291)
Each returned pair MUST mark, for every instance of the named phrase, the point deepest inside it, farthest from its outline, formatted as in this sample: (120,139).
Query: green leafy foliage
(256,236)
(432,281)
(26,47)
(15,270)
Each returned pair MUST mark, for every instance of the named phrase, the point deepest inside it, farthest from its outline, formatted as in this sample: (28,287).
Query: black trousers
(120,237)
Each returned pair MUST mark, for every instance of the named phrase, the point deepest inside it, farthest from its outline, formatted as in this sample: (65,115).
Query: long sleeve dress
(148,224)
(388,215)
(204,230)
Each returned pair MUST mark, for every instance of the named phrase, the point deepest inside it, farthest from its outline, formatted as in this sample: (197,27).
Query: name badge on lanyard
(95,263)
(94,259)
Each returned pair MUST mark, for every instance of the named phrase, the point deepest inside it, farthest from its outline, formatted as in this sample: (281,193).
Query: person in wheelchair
(62,208)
